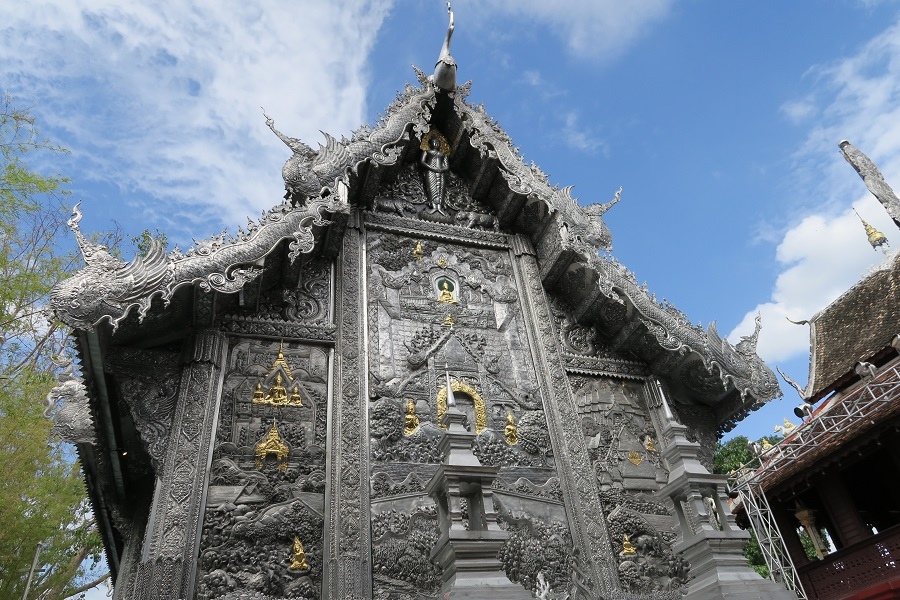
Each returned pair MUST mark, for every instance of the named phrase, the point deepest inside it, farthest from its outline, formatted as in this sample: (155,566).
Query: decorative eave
(568,240)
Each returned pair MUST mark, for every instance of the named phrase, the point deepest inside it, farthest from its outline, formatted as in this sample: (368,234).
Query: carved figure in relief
(628,548)
(446,294)
(277,394)
(298,558)
(435,166)
(511,432)
(419,251)
(411,421)
(296,400)
(258,394)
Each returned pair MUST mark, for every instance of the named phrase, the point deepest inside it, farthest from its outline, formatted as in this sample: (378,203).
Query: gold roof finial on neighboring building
(875,237)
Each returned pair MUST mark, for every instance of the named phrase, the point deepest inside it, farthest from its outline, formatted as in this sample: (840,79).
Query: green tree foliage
(729,457)
(42,495)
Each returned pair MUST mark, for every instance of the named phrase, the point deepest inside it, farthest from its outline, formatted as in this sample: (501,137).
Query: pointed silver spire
(451,400)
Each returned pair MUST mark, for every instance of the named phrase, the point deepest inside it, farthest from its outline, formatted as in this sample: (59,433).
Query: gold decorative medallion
(635,458)
(442,261)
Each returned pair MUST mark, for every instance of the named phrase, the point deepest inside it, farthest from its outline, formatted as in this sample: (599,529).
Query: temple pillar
(711,542)
(468,552)
(577,479)
(348,567)
(168,566)
(841,510)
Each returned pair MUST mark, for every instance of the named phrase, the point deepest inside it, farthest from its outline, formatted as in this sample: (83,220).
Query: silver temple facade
(266,415)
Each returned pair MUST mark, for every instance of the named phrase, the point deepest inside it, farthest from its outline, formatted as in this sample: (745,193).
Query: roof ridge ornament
(873,179)
(444,77)
(876,238)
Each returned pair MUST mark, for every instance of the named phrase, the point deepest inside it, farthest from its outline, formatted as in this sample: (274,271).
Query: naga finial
(444,77)
(93,254)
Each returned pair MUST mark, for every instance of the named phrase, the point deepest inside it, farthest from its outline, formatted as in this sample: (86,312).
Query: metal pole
(37,555)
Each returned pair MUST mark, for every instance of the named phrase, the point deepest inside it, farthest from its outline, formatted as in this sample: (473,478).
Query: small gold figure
(277,394)
(419,251)
(442,261)
(448,320)
(635,458)
(258,393)
(446,294)
(649,445)
(298,558)
(411,421)
(766,445)
(511,431)
(628,548)
(296,400)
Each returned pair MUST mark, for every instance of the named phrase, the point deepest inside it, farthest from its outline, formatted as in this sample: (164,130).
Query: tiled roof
(854,327)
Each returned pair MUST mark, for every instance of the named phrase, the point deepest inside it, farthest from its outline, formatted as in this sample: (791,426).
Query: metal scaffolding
(840,418)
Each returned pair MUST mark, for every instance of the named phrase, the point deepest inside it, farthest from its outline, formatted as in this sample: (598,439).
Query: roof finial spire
(444,77)
(876,238)
(451,399)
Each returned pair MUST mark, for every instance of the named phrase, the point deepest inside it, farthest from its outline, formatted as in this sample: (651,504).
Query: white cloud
(826,252)
(165,97)
(579,137)
(594,29)
(798,110)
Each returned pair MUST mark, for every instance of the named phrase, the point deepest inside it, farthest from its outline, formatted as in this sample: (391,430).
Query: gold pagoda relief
(462,387)
(272,444)
(277,393)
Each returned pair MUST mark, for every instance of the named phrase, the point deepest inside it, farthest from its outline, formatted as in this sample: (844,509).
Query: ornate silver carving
(72,420)
(108,289)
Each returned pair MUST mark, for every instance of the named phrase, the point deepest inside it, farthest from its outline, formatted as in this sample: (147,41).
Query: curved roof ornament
(444,77)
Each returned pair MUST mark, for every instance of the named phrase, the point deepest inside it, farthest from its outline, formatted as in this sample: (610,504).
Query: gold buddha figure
(419,251)
(446,294)
(277,394)
(650,445)
(628,548)
(258,393)
(296,400)
(298,558)
(511,432)
(411,422)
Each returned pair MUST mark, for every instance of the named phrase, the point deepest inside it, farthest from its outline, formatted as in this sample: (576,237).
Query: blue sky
(720,120)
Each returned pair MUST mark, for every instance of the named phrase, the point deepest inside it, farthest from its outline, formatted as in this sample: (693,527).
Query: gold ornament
(471,392)
(448,320)
(446,294)
(442,261)
(411,422)
(418,251)
(298,558)
(511,432)
(635,458)
(272,444)
(650,445)
(628,548)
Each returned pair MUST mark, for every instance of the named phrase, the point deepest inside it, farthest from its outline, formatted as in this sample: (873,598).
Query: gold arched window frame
(463,388)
